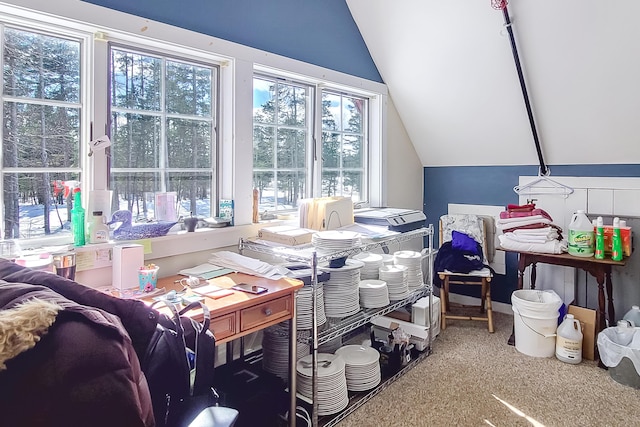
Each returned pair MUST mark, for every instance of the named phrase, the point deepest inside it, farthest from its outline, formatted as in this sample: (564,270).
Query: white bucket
(535,320)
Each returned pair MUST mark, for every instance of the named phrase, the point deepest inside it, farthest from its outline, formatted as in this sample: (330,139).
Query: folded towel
(551,247)
(525,238)
(521,214)
(520,222)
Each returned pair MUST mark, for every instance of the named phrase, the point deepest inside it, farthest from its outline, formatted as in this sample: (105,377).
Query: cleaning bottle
(599,238)
(569,340)
(616,241)
(633,315)
(98,230)
(77,219)
(581,235)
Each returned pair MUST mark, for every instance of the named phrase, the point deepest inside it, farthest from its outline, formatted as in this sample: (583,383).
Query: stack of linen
(526,228)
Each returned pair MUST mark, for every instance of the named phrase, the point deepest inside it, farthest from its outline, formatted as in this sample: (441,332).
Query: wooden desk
(598,268)
(241,313)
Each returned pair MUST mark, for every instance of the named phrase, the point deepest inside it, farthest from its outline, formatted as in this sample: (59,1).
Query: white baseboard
(500,307)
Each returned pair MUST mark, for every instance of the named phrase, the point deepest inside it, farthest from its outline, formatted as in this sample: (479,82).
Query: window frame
(372,149)
(163,169)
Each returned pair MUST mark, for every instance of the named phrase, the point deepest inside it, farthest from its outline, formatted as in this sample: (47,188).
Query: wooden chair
(475,227)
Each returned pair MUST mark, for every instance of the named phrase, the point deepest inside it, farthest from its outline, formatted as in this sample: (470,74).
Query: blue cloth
(465,243)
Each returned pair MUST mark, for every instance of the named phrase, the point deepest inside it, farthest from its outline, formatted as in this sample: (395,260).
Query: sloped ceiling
(450,72)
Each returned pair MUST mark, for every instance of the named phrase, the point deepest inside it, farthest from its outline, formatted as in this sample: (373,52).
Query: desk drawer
(265,312)
(224,326)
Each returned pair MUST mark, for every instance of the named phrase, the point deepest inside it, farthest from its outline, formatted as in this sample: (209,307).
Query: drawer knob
(267,311)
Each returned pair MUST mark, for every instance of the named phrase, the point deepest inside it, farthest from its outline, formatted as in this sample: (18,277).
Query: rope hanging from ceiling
(502,5)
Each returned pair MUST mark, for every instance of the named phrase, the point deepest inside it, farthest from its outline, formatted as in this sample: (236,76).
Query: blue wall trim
(322,33)
(493,185)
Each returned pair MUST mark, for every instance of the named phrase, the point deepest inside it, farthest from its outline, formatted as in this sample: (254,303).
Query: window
(282,116)
(283,144)
(42,110)
(162,131)
(344,148)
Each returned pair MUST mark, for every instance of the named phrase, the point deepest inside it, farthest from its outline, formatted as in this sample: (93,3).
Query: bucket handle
(542,335)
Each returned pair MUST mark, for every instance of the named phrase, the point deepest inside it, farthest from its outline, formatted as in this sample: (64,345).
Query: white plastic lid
(569,316)
(599,222)
(616,222)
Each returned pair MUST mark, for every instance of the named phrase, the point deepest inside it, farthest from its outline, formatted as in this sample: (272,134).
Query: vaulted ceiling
(451,74)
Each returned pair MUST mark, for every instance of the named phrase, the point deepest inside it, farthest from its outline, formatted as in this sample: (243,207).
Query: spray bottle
(599,238)
(616,241)
(77,219)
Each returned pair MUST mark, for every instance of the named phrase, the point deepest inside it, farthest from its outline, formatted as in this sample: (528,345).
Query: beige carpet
(456,385)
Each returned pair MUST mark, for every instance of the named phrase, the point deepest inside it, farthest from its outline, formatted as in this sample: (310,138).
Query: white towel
(525,238)
(550,247)
(509,223)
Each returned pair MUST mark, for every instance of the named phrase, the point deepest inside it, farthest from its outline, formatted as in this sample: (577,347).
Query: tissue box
(127,260)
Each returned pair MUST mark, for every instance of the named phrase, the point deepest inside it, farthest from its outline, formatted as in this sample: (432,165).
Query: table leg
(611,311)
(522,265)
(293,345)
(534,275)
(601,308)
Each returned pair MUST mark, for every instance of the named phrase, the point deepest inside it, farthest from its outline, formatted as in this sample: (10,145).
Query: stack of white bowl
(396,278)
(373,293)
(413,261)
(372,263)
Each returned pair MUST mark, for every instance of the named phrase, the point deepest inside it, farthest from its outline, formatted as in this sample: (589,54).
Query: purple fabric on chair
(465,243)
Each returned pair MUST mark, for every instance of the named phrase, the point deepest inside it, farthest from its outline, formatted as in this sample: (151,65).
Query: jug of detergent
(581,235)
(569,340)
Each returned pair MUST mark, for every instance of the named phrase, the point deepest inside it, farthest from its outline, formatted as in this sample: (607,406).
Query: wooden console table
(240,313)
(598,268)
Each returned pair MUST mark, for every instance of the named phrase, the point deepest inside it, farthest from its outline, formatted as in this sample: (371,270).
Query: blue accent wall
(493,185)
(319,32)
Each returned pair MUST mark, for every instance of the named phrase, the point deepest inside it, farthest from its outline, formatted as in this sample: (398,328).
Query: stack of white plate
(331,382)
(413,261)
(341,297)
(373,293)
(304,307)
(275,349)
(335,240)
(388,259)
(372,263)
(396,278)
(362,368)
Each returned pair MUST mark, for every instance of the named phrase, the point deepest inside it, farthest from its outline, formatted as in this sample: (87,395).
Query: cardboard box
(286,235)
(383,325)
(588,321)
(419,311)
(400,314)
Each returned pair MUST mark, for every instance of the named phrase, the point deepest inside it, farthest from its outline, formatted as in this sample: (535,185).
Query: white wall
(449,66)
(405,173)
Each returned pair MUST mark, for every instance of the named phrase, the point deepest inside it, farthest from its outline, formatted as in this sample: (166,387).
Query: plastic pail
(535,321)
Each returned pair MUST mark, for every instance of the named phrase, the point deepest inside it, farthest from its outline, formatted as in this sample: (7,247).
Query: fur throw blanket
(23,325)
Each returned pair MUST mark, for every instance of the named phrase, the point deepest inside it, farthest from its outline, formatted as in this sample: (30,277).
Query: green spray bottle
(77,219)
(599,238)
(616,241)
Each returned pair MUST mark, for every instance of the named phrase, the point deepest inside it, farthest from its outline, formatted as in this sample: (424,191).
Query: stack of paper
(205,271)
(241,263)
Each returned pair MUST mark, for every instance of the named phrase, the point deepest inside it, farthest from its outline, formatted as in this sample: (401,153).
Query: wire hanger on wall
(543,172)
(537,186)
